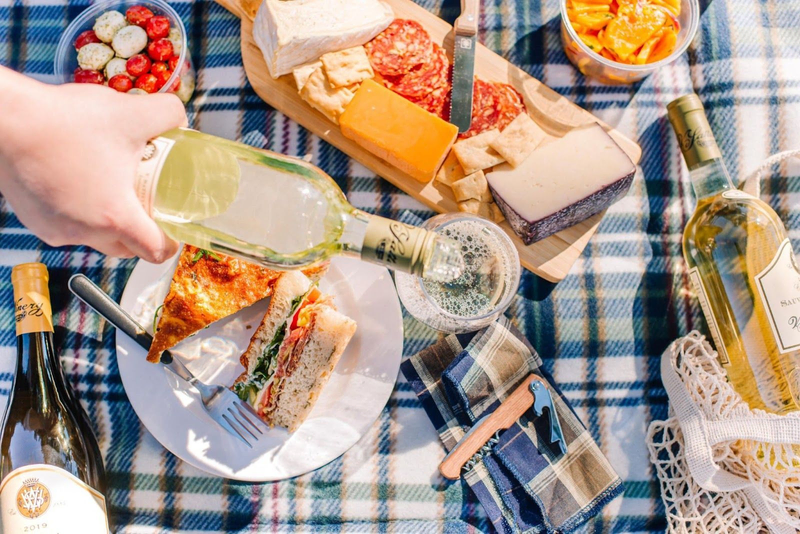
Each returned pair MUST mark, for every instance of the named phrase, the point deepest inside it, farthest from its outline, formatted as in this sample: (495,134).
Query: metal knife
(465,40)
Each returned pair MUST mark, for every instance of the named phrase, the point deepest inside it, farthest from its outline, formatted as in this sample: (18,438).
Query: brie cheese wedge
(293,32)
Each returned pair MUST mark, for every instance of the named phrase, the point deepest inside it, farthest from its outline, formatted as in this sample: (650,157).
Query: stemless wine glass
(482,293)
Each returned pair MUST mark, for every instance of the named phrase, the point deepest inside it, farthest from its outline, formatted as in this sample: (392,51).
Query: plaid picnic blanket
(599,332)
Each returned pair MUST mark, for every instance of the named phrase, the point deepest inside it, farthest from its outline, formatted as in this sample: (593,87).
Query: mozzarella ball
(186,89)
(129,41)
(176,39)
(108,24)
(136,91)
(116,66)
(94,56)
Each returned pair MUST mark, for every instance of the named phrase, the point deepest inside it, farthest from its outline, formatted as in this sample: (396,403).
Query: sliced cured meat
(485,108)
(510,104)
(424,78)
(436,101)
(399,48)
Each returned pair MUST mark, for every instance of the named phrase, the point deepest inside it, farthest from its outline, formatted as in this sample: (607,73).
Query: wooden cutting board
(550,258)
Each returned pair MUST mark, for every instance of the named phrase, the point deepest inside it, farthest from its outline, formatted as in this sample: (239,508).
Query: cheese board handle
(502,418)
(467,22)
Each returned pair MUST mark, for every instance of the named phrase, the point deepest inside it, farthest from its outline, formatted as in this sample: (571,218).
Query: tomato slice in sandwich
(312,297)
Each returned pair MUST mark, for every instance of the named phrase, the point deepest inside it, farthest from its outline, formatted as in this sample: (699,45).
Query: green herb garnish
(207,253)
(155,318)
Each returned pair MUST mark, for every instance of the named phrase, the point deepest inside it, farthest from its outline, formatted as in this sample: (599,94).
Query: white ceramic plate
(351,402)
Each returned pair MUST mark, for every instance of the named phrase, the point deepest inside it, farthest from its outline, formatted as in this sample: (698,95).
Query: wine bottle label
(32,311)
(48,500)
(155,154)
(396,245)
(779,287)
(702,297)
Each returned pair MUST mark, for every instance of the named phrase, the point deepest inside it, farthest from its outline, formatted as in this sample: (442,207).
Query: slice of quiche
(207,287)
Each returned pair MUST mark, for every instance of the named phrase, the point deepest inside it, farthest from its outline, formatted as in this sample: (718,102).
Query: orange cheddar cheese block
(395,130)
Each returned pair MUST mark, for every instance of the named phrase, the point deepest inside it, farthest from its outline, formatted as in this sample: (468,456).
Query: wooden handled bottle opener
(532,392)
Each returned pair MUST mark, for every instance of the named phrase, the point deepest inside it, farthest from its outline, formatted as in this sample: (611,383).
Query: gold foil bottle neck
(32,312)
(695,138)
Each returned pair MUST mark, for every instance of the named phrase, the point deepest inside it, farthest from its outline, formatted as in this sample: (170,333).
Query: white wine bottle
(51,468)
(743,270)
(278,211)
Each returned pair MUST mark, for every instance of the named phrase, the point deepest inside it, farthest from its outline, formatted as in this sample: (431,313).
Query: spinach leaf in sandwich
(268,361)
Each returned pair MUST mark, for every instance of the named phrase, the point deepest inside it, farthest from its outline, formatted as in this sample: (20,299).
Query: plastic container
(66,59)
(502,259)
(611,72)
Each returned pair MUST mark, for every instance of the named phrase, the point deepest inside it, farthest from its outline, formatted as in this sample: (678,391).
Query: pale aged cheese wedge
(395,130)
(562,183)
(303,72)
(292,32)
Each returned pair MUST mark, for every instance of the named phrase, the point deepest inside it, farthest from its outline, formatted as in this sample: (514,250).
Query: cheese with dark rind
(562,183)
(397,131)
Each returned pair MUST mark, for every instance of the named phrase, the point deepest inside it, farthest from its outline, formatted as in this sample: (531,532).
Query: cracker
(518,139)
(476,207)
(347,66)
(450,171)
(474,187)
(330,101)
(303,72)
(497,214)
(475,154)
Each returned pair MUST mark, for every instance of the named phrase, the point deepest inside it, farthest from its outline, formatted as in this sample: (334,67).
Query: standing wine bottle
(743,270)
(51,468)
(278,211)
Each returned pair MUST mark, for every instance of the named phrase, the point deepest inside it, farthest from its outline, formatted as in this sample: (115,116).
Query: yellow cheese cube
(395,130)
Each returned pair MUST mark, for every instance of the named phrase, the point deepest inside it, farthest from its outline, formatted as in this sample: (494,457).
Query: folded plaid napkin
(523,485)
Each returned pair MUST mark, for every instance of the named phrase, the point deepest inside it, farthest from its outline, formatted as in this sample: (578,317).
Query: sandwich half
(293,352)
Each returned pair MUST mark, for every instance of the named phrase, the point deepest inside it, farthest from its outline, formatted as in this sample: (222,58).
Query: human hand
(69,158)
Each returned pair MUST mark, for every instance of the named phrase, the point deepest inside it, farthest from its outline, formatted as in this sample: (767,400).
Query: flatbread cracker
(476,207)
(347,66)
(497,214)
(518,139)
(328,100)
(303,72)
(475,154)
(450,171)
(474,187)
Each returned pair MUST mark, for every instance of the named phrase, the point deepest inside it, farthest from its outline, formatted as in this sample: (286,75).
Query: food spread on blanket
(386,84)
(137,52)
(627,31)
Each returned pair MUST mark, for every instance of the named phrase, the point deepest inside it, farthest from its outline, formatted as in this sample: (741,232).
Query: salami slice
(399,48)
(436,101)
(510,104)
(424,78)
(485,108)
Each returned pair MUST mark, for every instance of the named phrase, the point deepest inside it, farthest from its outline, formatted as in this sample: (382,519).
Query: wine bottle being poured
(51,468)
(277,211)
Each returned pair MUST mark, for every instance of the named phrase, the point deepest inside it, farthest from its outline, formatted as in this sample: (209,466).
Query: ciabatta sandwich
(293,352)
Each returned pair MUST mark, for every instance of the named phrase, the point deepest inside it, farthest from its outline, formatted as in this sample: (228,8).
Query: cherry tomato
(160,50)
(138,65)
(158,67)
(157,27)
(89,76)
(138,15)
(120,83)
(163,78)
(173,62)
(85,38)
(175,85)
(147,83)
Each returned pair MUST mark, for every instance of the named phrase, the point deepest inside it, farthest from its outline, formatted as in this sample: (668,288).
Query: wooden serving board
(551,258)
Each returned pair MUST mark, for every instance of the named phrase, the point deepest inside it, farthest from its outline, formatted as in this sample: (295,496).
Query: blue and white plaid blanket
(600,332)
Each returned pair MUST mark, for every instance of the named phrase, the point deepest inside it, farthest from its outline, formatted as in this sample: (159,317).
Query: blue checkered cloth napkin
(523,485)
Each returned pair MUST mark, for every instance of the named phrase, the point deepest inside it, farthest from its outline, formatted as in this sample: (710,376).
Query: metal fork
(222,404)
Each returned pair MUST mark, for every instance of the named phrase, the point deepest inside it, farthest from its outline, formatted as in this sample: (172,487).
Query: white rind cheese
(562,183)
(293,32)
